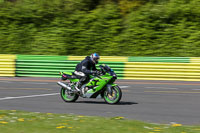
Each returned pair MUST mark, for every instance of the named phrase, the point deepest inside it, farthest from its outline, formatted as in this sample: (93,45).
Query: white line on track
(161,88)
(123,86)
(42,95)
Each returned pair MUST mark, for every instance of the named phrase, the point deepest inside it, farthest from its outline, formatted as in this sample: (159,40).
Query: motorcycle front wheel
(68,96)
(113,98)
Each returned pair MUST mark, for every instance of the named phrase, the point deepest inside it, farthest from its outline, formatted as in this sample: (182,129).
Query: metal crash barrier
(50,66)
(141,68)
(7,65)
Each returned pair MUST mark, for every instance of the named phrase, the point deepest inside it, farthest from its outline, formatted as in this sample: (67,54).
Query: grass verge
(12,121)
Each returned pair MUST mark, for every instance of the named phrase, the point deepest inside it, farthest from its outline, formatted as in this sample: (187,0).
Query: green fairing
(100,83)
(70,73)
(113,84)
(74,80)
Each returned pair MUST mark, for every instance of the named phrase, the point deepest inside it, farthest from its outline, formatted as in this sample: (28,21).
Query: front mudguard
(108,88)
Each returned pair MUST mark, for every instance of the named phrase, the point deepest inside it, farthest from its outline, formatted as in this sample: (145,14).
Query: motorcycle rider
(85,68)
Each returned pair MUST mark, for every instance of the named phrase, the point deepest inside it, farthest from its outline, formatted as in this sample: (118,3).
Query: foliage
(109,27)
(32,122)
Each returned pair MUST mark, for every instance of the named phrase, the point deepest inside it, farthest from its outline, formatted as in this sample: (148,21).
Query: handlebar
(97,75)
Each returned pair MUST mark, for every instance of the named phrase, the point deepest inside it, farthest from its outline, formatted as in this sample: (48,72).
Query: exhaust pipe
(64,85)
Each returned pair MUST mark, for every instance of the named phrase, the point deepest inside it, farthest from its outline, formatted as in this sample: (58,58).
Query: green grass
(12,121)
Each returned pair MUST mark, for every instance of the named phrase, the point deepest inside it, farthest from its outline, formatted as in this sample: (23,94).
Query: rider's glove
(96,72)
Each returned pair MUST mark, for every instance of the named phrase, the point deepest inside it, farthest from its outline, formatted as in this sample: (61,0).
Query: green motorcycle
(99,86)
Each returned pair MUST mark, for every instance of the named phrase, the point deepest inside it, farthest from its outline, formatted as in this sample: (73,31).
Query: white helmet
(95,58)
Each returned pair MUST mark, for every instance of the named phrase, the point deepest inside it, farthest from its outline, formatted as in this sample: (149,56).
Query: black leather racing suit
(84,69)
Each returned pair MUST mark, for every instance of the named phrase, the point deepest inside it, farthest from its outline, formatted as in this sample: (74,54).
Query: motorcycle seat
(68,76)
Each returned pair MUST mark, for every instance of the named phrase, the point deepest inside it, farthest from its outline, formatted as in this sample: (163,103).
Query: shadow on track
(97,102)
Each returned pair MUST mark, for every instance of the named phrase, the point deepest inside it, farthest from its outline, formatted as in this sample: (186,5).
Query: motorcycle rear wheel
(67,96)
(115,97)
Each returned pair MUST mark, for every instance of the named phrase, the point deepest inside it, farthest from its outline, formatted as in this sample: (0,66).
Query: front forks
(109,89)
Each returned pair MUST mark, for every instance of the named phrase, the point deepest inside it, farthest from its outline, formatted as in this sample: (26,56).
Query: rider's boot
(84,90)
(81,89)
(78,85)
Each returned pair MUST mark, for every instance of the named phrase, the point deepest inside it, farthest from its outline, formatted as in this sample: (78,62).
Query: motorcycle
(99,86)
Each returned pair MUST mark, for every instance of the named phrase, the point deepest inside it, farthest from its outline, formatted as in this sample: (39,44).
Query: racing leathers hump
(86,66)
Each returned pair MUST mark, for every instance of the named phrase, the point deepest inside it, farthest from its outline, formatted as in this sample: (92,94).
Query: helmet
(95,58)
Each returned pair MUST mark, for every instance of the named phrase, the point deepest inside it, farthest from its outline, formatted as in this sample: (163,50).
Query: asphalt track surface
(150,101)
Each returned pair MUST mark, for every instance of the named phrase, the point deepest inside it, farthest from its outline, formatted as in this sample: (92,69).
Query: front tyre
(113,98)
(68,96)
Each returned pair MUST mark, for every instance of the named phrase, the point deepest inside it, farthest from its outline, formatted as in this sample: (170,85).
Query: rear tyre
(68,96)
(113,98)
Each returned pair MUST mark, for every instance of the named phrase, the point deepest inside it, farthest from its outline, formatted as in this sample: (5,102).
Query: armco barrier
(147,68)
(7,65)
(162,71)
(50,66)
(40,65)
(159,59)
(194,59)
